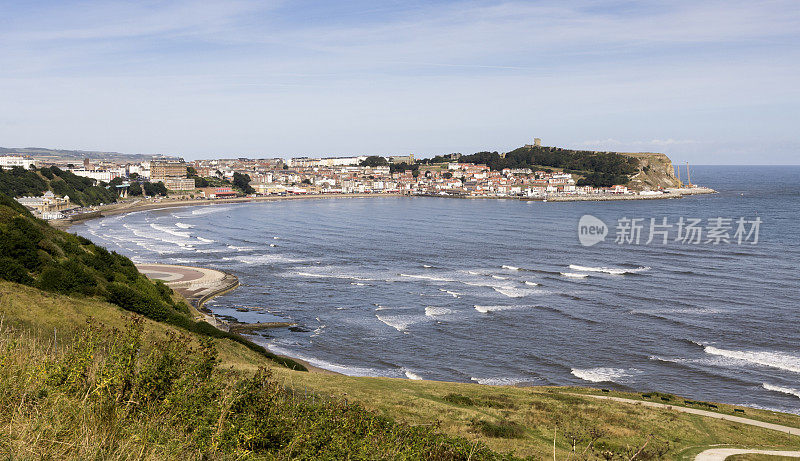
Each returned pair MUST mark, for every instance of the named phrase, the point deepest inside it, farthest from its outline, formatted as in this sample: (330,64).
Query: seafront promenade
(196,284)
(157,204)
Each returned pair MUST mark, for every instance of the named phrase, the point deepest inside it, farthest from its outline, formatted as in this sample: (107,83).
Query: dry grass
(617,429)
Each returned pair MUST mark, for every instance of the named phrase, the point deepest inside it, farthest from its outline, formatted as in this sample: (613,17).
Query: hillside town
(397,175)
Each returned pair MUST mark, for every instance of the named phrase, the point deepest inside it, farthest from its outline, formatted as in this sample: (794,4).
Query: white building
(305,162)
(97,175)
(10,161)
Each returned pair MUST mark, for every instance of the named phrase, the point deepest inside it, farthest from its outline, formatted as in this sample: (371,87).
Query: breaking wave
(432,311)
(779,360)
(399,322)
(574,275)
(487,309)
(608,270)
(601,374)
(785,390)
(500,380)
(411,375)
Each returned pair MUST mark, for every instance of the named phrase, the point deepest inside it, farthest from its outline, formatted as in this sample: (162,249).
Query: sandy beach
(132,206)
(198,285)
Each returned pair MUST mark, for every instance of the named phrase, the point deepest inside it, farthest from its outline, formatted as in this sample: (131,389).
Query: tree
(155,189)
(242,181)
(191,172)
(135,189)
(374,160)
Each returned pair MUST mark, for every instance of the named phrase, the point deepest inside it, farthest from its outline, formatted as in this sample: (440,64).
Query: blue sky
(704,81)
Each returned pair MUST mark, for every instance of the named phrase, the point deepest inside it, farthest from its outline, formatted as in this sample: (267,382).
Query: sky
(709,82)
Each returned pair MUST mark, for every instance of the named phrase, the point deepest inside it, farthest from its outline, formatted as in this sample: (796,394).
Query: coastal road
(719,454)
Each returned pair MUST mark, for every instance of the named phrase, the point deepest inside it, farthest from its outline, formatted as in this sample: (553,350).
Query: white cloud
(202,77)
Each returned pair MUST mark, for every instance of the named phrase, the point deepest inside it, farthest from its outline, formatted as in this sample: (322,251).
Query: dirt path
(719,454)
(710,414)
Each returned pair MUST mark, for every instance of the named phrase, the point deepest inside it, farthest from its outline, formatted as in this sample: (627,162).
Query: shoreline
(137,206)
(215,289)
(199,284)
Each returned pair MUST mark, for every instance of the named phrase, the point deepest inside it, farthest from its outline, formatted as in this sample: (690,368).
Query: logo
(591,230)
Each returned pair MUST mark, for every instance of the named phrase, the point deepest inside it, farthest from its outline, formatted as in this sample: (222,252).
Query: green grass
(132,393)
(505,419)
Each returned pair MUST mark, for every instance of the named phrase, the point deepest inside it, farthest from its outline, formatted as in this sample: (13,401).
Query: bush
(458,399)
(501,429)
(13,271)
(67,278)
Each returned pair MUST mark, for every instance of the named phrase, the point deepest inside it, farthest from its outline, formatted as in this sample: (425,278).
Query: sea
(496,291)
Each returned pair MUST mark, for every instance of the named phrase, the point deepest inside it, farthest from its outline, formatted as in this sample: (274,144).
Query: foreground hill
(85,373)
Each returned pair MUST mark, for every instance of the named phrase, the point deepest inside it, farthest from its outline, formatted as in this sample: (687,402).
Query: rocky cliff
(655,171)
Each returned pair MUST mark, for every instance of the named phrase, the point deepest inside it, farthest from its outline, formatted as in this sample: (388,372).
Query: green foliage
(402,167)
(200,182)
(67,278)
(18,182)
(601,168)
(439,159)
(135,189)
(110,393)
(242,182)
(79,189)
(501,429)
(458,399)
(13,271)
(155,189)
(374,160)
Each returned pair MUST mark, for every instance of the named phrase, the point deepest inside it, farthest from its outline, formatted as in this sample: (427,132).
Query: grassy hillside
(37,255)
(131,388)
(502,419)
(98,362)
(18,182)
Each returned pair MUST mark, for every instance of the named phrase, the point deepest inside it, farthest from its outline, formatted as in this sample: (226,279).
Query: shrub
(12,271)
(501,429)
(458,399)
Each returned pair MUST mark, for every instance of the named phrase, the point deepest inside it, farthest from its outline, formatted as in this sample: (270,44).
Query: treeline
(241,181)
(598,168)
(35,254)
(18,182)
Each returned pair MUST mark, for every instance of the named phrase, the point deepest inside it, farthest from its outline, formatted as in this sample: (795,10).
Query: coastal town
(442,176)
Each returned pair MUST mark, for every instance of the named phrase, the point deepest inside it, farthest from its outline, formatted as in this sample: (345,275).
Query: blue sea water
(502,292)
